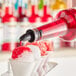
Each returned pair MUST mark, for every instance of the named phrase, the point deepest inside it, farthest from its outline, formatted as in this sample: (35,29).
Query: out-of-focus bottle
(10,35)
(13,33)
(6,12)
(34,13)
(8,27)
(59,4)
(55,8)
(71,3)
(16,4)
(26,4)
(25,7)
(29,8)
(41,4)
(21,11)
(45,13)
(1,33)
(1,8)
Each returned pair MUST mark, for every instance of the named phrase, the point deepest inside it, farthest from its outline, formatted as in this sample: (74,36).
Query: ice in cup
(25,60)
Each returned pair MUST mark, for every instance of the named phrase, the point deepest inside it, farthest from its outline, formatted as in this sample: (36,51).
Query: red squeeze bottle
(33,16)
(21,12)
(7,19)
(45,15)
(0,9)
(10,35)
(46,12)
(64,27)
(6,16)
(70,35)
(8,11)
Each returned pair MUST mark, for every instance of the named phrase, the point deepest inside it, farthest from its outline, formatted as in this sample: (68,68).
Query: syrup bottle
(59,4)
(0,8)
(46,13)
(26,4)
(1,33)
(34,15)
(7,15)
(16,5)
(7,18)
(41,4)
(21,11)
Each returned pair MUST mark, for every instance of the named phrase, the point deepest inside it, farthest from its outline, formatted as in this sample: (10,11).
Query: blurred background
(19,15)
(16,16)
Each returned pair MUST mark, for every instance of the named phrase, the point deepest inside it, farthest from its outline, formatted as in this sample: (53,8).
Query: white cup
(22,68)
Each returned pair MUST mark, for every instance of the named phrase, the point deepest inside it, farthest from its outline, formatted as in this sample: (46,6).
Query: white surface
(4,56)
(66,59)
(3,67)
(66,67)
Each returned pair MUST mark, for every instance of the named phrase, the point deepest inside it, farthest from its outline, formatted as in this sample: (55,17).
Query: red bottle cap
(33,17)
(20,14)
(6,16)
(45,16)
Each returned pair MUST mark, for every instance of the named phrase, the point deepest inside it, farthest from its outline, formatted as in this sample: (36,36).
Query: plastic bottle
(9,21)
(59,4)
(41,4)
(26,4)
(16,5)
(0,8)
(45,16)
(55,8)
(1,33)
(21,11)
(34,14)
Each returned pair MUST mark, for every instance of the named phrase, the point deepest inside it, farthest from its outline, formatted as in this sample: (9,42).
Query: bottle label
(1,35)
(10,33)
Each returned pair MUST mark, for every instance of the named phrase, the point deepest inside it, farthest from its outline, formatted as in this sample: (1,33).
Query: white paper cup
(22,68)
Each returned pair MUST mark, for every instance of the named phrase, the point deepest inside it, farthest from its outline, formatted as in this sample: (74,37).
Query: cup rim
(10,60)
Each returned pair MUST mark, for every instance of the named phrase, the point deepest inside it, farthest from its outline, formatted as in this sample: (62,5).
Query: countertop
(66,60)
(64,57)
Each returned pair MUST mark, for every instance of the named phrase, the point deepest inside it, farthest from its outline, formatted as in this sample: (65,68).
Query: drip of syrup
(20,43)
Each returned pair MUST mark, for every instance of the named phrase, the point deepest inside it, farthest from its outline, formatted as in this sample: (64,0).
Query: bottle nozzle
(25,37)
(31,35)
